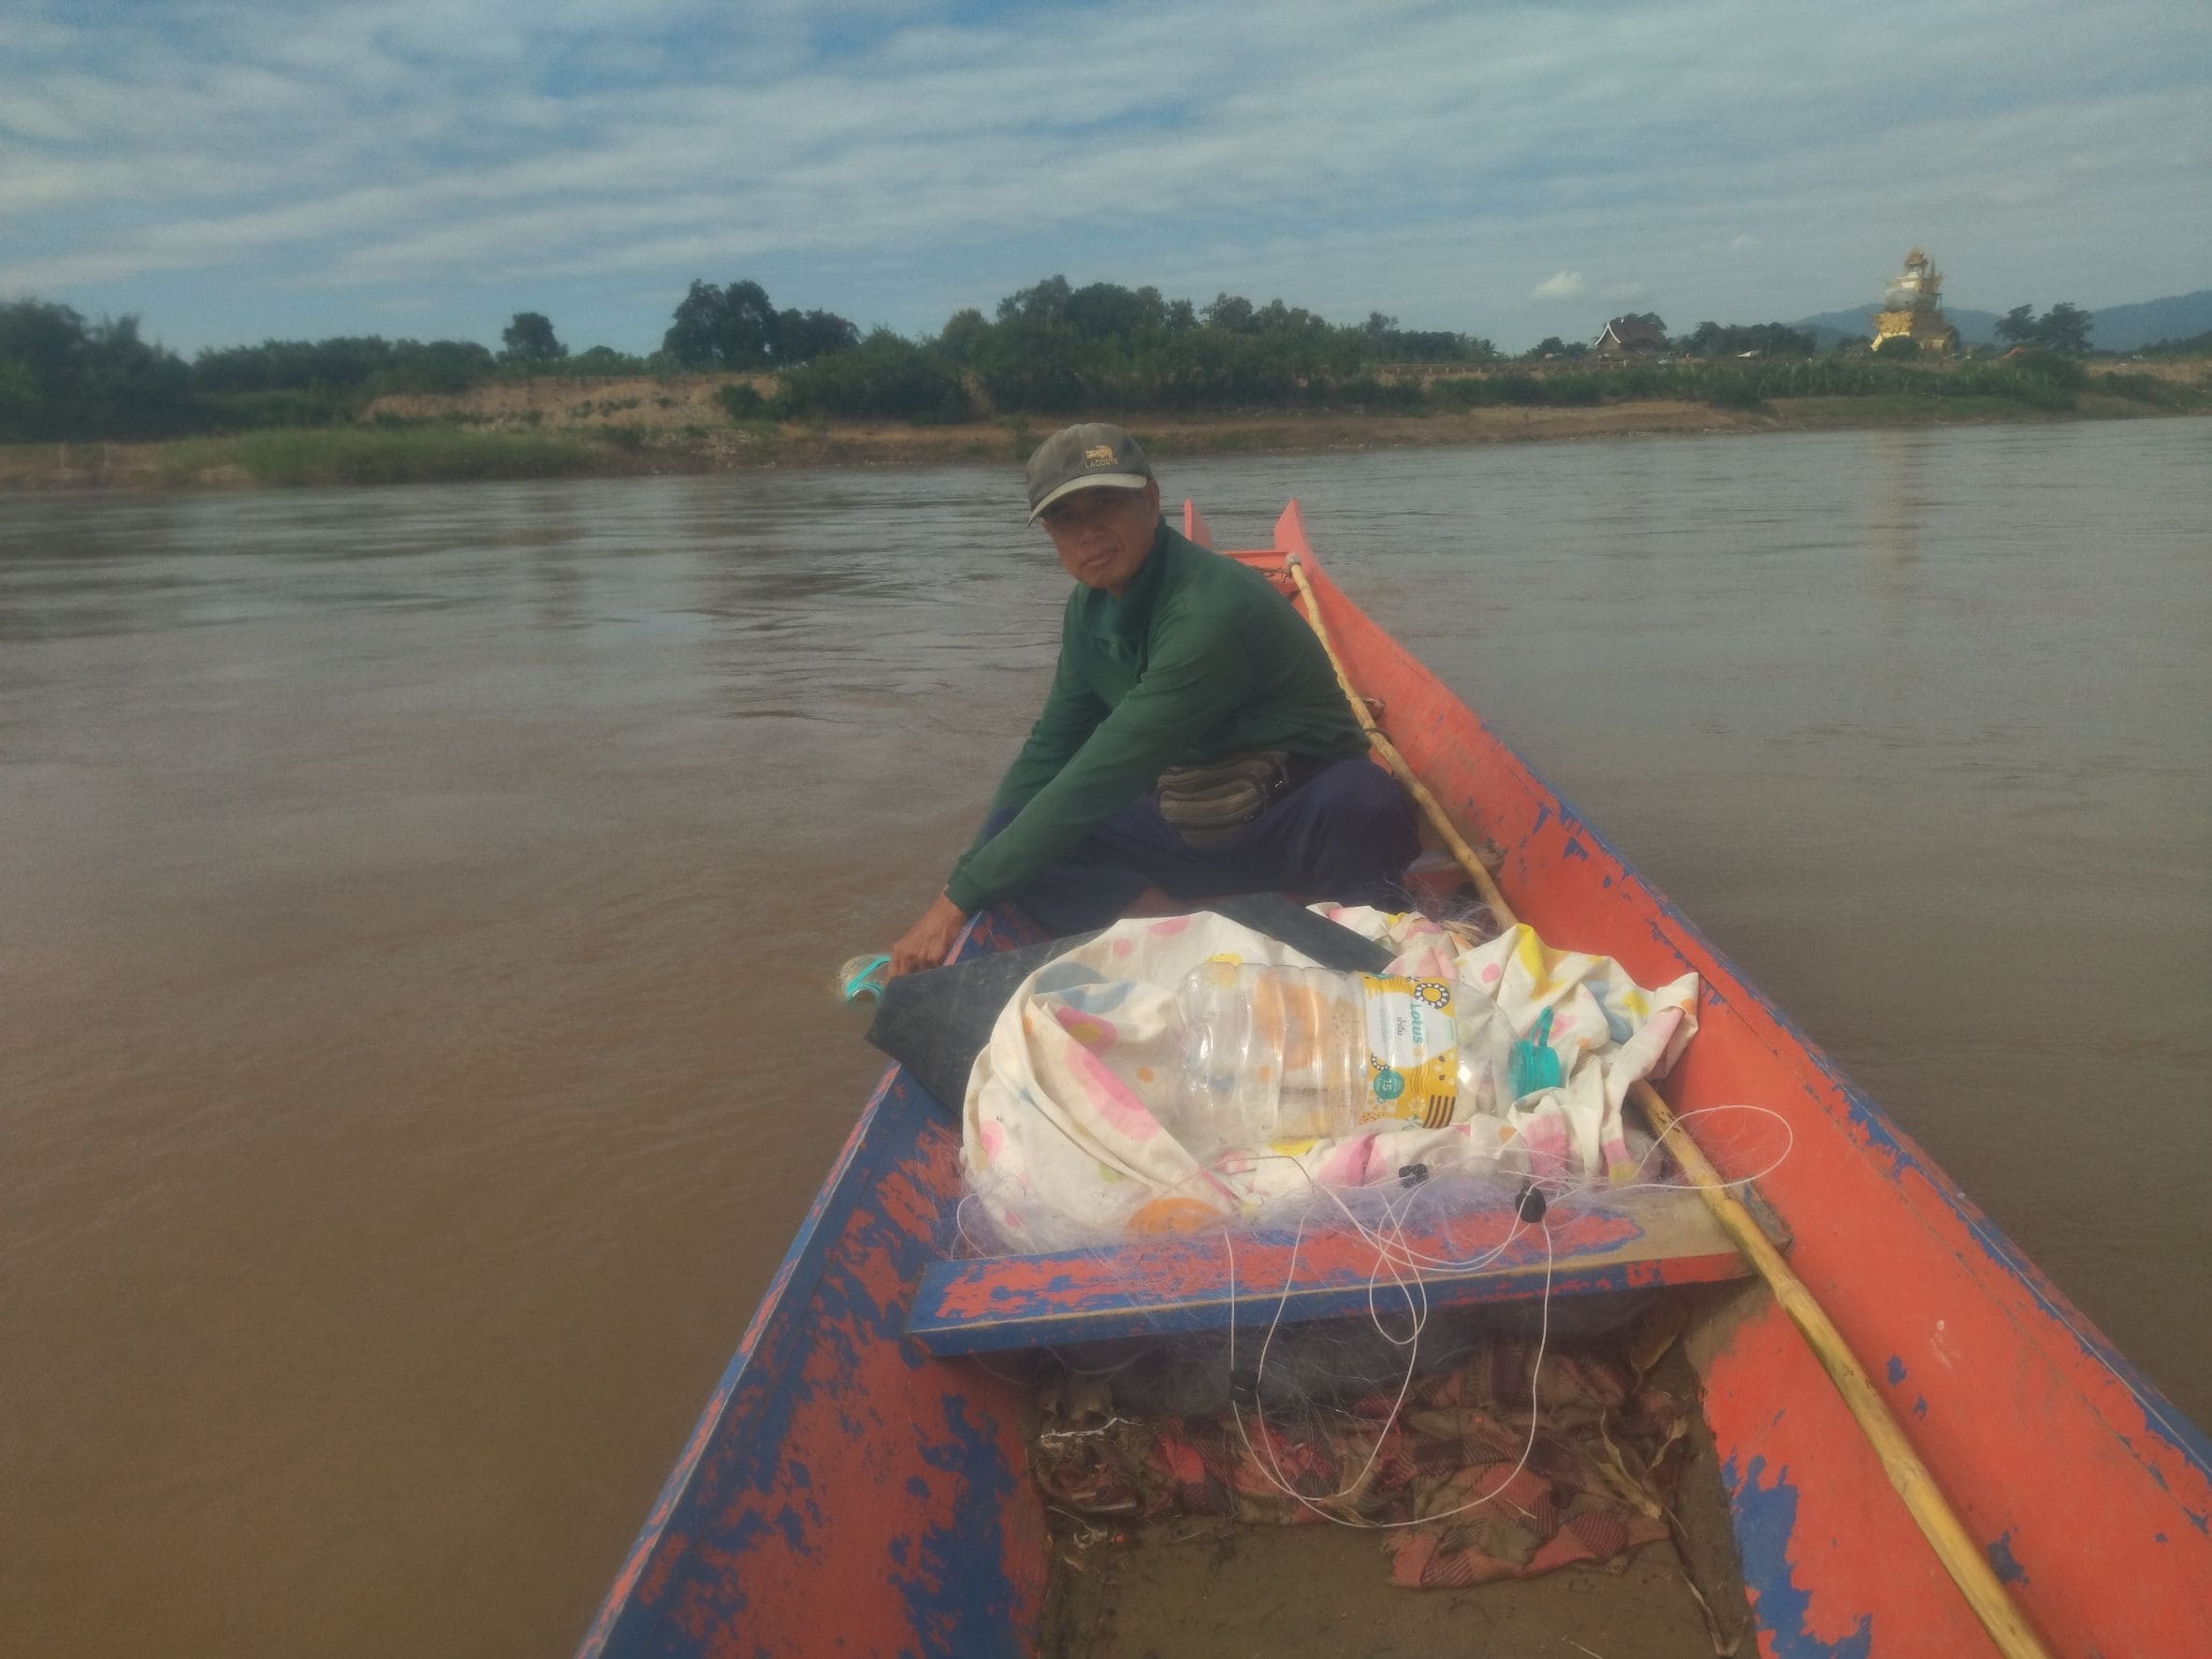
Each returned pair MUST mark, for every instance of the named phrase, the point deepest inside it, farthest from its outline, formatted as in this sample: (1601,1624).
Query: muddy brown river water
(417,906)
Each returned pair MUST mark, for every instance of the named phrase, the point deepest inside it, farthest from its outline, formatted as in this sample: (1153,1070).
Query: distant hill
(2116,328)
(1827,337)
(2123,328)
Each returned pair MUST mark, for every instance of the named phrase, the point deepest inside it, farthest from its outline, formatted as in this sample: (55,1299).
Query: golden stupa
(1912,309)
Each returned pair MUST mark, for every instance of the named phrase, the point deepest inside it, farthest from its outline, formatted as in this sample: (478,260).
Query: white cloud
(206,168)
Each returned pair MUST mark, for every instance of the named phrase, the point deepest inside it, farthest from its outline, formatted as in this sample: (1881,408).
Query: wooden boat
(849,1489)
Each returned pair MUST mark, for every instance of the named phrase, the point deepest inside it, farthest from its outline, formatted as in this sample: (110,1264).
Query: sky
(233,171)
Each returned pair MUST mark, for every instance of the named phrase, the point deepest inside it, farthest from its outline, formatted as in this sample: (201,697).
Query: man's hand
(925,944)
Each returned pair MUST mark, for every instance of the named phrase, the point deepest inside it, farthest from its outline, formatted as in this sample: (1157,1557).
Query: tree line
(1053,348)
(1049,349)
(65,377)
(2064,328)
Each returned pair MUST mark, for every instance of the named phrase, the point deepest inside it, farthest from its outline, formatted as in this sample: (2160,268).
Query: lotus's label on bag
(1412,1050)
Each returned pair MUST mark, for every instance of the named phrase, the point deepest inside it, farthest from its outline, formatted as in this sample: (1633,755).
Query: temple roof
(1633,334)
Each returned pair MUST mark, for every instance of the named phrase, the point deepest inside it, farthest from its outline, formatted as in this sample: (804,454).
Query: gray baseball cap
(1084,457)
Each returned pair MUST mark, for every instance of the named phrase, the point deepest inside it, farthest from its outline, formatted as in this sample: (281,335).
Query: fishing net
(1496,1459)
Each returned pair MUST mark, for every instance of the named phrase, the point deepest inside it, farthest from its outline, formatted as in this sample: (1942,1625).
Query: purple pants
(1346,833)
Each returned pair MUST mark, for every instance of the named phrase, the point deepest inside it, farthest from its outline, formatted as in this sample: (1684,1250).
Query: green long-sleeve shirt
(1198,658)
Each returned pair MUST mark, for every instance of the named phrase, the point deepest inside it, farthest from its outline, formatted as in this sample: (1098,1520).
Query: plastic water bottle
(1271,1054)
(1288,1053)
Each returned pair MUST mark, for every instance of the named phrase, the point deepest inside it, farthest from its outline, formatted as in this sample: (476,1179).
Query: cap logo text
(1099,455)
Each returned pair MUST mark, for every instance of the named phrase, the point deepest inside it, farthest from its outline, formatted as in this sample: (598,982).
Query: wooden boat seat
(1205,1281)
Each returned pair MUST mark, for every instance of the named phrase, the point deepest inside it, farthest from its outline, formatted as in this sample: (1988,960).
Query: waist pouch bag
(1207,805)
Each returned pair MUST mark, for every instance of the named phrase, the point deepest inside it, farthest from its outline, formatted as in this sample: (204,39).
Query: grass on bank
(379,455)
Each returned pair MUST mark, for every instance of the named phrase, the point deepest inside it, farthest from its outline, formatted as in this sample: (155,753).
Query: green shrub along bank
(885,376)
(381,454)
(1055,350)
(2045,383)
(61,378)
(2149,389)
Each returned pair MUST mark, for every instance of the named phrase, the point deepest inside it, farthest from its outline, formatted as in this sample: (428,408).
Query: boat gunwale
(2159,1413)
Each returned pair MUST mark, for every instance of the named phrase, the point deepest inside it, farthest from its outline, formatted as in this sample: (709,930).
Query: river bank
(626,428)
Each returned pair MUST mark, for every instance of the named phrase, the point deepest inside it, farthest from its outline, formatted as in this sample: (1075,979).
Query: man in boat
(1195,743)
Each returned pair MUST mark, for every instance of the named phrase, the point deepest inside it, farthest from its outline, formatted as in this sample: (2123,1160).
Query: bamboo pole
(1915,1484)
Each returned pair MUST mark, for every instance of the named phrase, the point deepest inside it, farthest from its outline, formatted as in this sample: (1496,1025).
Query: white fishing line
(1395,1255)
(1388,1219)
(1271,1468)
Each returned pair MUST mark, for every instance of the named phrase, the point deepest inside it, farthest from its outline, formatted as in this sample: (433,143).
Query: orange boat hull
(847,1491)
